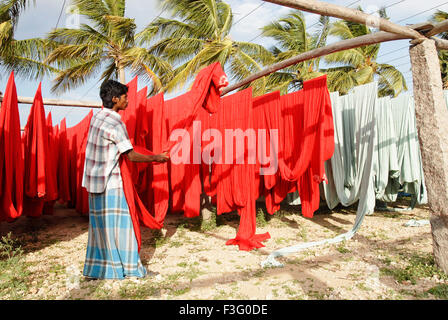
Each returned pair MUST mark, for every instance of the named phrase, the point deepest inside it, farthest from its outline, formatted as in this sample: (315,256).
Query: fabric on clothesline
(11,155)
(265,113)
(159,190)
(129,115)
(77,141)
(203,94)
(411,177)
(352,163)
(63,164)
(235,173)
(306,142)
(386,167)
(52,166)
(38,160)
(181,113)
(350,170)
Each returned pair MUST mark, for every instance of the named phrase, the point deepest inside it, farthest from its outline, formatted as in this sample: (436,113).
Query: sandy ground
(192,263)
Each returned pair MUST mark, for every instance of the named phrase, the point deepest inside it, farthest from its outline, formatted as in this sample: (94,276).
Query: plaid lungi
(112,250)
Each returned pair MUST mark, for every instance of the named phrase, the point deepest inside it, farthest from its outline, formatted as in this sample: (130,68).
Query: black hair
(110,89)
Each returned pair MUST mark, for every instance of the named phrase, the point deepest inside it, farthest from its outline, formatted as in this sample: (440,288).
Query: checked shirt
(107,139)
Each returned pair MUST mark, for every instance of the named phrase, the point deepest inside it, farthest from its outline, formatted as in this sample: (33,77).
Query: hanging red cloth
(137,210)
(185,182)
(317,98)
(37,158)
(129,115)
(181,113)
(266,112)
(11,155)
(306,142)
(77,141)
(158,193)
(63,174)
(51,166)
(204,93)
(235,175)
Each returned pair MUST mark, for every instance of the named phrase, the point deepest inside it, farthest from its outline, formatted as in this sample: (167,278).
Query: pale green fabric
(411,178)
(350,170)
(386,167)
(377,155)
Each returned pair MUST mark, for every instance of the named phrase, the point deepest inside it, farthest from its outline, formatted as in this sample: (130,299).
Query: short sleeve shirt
(106,141)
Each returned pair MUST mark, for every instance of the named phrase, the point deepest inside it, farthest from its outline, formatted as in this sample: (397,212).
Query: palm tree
(440,16)
(293,39)
(23,56)
(197,36)
(108,42)
(358,66)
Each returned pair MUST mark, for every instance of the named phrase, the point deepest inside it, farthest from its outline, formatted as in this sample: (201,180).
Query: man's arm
(138,157)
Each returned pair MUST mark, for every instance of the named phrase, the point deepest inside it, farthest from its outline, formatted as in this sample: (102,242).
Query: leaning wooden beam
(365,40)
(333,10)
(441,44)
(60,103)
(438,28)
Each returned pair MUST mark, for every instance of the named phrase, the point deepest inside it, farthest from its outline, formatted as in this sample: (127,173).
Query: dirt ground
(384,260)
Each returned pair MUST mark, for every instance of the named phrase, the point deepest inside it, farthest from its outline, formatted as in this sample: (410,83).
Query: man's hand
(163,157)
(138,157)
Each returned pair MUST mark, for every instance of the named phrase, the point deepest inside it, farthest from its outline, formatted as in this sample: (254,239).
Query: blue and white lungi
(112,249)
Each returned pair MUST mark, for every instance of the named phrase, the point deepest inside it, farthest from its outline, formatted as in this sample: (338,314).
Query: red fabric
(37,158)
(204,93)
(236,185)
(158,193)
(266,115)
(77,141)
(137,131)
(318,99)
(11,156)
(305,143)
(139,214)
(63,164)
(129,115)
(185,182)
(52,166)
(180,113)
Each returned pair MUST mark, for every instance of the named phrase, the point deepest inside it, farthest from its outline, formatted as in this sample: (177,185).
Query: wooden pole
(438,28)
(60,103)
(319,52)
(333,10)
(431,118)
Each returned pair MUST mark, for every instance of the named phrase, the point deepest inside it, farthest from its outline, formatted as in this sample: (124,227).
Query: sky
(249,17)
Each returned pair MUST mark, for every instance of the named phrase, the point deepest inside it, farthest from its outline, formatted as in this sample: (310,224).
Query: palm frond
(391,81)
(351,57)
(11,9)
(76,75)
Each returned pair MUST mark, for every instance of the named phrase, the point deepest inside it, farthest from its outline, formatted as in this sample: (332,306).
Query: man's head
(114,95)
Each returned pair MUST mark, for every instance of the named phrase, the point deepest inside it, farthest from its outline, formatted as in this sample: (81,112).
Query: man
(112,250)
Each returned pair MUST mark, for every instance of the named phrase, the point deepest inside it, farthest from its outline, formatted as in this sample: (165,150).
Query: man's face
(122,102)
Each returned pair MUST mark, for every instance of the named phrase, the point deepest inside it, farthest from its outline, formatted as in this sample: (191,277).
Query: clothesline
(59,102)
